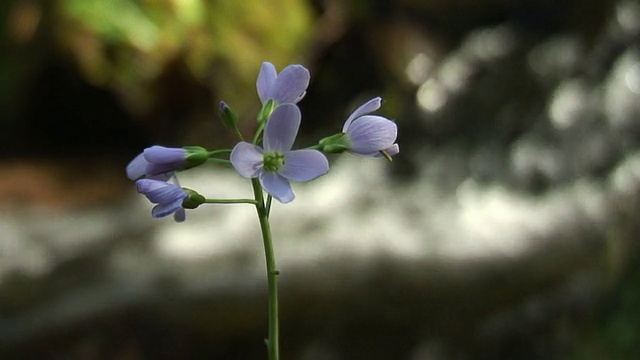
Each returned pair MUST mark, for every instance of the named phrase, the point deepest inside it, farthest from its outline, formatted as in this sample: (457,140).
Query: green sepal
(334,144)
(229,117)
(196,155)
(193,200)
(266,111)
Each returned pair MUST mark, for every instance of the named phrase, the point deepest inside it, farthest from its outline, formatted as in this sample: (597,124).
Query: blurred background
(505,229)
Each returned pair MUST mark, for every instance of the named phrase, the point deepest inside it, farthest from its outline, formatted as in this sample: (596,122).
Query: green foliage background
(126,44)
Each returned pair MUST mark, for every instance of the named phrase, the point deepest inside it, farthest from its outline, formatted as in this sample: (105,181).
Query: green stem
(230,201)
(269,198)
(256,137)
(219,161)
(273,346)
(238,133)
(314,147)
(213,153)
(220,151)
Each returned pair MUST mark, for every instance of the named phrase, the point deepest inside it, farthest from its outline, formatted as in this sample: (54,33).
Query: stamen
(386,155)
(273,161)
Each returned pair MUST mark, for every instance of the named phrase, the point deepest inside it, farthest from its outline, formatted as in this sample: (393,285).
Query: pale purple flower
(288,87)
(276,164)
(369,135)
(157,162)
(167,196)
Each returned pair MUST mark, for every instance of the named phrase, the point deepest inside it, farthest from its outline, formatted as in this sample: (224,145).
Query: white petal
(282,128)
(266,78)
(369,106)
(304,165)
(290,85)
(246,158)
(369,134)
(162,210)
(277,186)
(391,151)
(137,168)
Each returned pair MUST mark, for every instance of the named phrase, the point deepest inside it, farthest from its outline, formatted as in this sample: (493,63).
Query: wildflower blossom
(370,135)
(167,196)
(159,162)
(288,87)
(276,164)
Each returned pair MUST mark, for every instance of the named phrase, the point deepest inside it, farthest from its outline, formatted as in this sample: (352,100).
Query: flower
(156,160)
(288,87)
(276,164)
(168,196)
(159,162)
(370,135)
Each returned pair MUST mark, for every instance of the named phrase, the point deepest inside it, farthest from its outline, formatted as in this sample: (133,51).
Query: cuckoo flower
(167,196)
(288,87)
(159,162)
(276,164)
(370,135)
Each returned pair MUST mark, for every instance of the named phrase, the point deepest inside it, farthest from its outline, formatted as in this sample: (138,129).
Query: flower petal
(282,128)
(277,186)
(161,154)
(247,159)
(160,192)
(370,134)
(266,77)
(163,159)
(299,97)
(369,106)
(290,84)
(162,177)
(392,151)
(146,186)
(164,209)
(304,165)
(180,215)
(137,168)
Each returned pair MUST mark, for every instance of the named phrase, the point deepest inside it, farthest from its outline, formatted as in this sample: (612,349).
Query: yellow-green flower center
(273,161)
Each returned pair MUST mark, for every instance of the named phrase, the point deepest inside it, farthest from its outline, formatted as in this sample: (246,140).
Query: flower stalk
(273,339)
(268,160)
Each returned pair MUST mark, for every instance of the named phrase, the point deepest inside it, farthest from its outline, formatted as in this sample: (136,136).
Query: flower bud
(229,117)
(266,111)
(371,135)
(161,160)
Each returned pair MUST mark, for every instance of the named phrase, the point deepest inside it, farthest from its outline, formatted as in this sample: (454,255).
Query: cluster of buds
(269,156)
